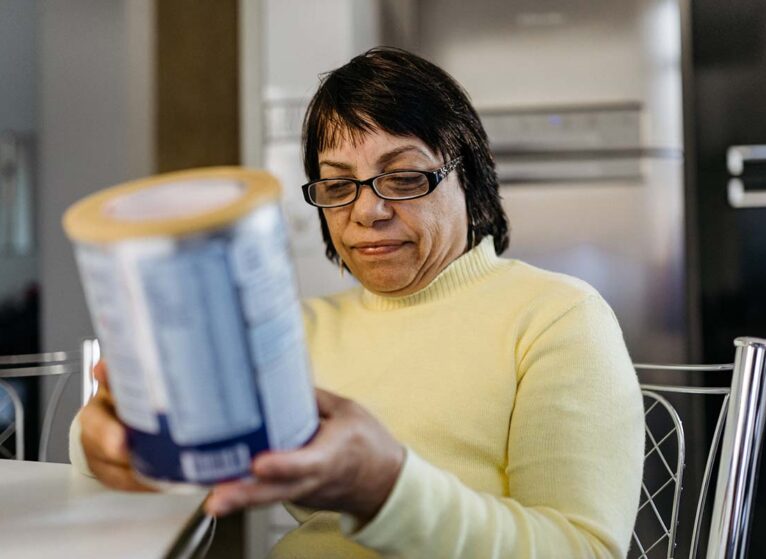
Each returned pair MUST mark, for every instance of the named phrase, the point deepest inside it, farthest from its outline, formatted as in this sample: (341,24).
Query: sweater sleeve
(574,466)
(76,453)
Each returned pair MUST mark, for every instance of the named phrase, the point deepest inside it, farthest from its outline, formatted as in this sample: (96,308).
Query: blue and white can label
(203,336)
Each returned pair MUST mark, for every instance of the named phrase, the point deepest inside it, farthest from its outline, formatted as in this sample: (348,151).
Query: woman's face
(394,248)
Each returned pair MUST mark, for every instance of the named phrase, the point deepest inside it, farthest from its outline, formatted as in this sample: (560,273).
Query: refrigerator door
(726,179)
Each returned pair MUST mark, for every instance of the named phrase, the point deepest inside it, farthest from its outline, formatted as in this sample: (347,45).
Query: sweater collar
(464,270)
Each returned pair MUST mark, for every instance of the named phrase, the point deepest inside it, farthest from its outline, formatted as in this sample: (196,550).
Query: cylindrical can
(191,291)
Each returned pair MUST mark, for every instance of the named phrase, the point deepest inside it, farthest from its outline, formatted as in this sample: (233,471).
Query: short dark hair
(403,94)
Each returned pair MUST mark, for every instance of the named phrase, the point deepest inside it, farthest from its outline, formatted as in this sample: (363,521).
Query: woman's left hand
(350,466)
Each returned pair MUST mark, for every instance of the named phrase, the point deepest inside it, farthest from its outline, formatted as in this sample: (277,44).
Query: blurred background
(610,123)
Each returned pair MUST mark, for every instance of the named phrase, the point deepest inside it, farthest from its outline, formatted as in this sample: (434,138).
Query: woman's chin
(387,284)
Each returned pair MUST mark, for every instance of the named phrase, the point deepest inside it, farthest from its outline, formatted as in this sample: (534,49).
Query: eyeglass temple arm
(447,168)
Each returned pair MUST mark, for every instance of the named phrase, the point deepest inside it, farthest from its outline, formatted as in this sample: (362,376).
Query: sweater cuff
(76,453)
(384,531)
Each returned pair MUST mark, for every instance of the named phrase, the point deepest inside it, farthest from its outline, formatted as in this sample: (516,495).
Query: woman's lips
(378,248)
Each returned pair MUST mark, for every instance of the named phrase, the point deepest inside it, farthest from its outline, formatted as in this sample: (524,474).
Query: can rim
(86,221)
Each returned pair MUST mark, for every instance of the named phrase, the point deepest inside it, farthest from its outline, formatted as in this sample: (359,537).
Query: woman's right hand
(104,439)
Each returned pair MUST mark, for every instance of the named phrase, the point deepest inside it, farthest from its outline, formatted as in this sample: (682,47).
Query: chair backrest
(733,448)
(91,353)
(61,365)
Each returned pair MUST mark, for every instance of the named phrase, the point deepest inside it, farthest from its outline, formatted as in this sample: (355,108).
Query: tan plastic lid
(171,204)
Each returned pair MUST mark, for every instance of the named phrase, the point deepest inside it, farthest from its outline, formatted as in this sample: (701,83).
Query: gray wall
(18,111)
(18,64)
(95,131)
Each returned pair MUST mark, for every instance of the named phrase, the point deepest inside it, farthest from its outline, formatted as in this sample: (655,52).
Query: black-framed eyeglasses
(397,185)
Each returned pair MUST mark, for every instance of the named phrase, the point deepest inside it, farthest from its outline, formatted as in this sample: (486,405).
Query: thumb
(100,372)
(101,376)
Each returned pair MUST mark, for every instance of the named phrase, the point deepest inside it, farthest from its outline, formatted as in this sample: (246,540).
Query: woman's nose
(369,208)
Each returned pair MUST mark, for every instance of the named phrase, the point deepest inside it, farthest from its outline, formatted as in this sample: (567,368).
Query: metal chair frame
(736,439)
(61,364)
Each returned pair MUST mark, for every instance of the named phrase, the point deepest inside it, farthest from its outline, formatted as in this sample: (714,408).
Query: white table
(50,510)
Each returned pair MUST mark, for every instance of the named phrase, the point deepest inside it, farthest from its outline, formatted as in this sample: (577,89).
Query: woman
(513,418)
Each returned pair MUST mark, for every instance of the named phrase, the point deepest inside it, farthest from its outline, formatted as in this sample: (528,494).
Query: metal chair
(60,364)
(734,448)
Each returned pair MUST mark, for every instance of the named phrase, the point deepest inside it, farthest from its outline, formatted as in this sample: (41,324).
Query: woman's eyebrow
(389,156)
(336,164)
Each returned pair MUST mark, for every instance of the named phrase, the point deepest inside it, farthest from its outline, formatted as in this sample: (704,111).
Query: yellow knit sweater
(513,391)
(516,398)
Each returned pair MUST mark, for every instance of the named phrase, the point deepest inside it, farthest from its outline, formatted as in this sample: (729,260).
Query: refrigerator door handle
(737,156)
(741,198)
